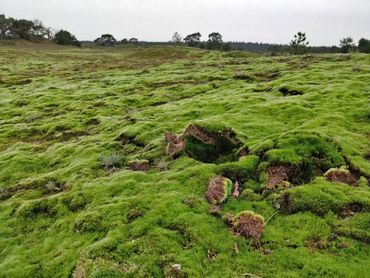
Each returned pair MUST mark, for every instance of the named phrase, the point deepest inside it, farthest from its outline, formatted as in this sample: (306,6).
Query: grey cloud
(324,21)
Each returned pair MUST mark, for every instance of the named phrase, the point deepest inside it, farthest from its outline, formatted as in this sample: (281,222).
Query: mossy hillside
(61,111)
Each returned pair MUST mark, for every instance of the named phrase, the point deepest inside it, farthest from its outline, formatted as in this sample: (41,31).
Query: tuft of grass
(112,161)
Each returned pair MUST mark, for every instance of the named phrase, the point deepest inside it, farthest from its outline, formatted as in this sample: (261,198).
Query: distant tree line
(110,40)
(35,30)
(214,41)
(298,45)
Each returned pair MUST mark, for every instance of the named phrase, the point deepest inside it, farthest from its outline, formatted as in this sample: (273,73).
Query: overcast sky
(324,21)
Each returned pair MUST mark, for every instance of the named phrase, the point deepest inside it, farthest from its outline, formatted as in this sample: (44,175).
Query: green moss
(106,272)
(249,195)
(283,156)
(356,227)
(89,222)
(253,185)
(75,201)
(320,197)
(142,223)
(222,150)
(43,207)
(242,170)
(263,147)
(215,127)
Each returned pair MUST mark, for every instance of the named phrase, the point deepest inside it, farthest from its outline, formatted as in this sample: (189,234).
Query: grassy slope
(61,110)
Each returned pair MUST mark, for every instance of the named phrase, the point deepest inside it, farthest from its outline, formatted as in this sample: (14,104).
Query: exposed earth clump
(248,224)
(341,174)
(219,188)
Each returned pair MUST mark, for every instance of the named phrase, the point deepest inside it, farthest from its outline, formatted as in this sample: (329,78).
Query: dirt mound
(219,189)
(203,145)
(341,174)
(248,224)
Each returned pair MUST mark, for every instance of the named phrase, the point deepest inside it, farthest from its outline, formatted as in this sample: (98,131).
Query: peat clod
(342,174)
(204,145)
(236,192)
(315,243)
(248,224)
(219,188)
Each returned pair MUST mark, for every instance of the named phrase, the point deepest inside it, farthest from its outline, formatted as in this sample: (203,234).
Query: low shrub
(112,161)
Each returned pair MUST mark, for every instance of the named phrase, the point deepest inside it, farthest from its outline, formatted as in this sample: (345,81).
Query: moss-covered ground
(71,120)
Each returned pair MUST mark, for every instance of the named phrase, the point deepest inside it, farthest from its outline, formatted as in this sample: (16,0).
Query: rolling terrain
(87,188)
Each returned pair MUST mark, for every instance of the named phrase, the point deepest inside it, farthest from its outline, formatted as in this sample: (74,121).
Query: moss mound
(356,227)
(300,158)
(242,170)
(321,197)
